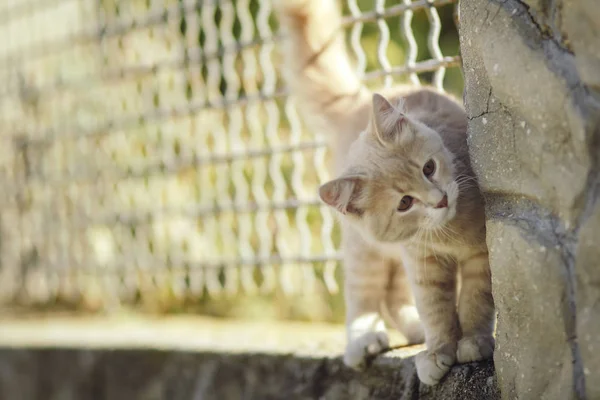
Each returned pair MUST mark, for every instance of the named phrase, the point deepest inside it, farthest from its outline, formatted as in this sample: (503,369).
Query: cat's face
(400,181)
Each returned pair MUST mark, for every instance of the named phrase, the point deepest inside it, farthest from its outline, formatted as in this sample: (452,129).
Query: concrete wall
(532,74)
(61,374)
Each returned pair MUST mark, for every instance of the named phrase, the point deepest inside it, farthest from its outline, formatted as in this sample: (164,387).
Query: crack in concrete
(487,107)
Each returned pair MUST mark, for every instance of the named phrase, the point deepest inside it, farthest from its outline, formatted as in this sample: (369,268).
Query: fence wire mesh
(151,154)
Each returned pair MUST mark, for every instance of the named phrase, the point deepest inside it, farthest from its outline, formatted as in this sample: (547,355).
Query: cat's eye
(405,204)
(429,168)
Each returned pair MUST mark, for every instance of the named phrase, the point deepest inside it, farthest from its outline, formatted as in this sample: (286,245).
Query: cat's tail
(316,64)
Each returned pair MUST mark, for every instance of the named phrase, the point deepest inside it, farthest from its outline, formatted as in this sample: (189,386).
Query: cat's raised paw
(363,347)
(475,348)
(433,366)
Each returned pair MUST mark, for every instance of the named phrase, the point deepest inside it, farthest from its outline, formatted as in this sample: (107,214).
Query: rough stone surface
(532,92)
(53,374)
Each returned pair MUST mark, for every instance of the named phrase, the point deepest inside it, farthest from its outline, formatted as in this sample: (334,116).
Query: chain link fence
(151,156)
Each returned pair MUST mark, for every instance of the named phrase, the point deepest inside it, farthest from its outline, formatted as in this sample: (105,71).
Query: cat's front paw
(363,347)
(432,366)
(475,348)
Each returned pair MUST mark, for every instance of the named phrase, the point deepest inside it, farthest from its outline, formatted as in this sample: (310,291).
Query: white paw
(475,348)
(361,348)
(410,325)
(433,366)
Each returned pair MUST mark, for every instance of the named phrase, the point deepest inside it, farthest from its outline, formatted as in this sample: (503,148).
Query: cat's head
(399,180)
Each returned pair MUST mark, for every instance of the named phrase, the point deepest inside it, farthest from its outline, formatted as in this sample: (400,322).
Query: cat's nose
(443,202)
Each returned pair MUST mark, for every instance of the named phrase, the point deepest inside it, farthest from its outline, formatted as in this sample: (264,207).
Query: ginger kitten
(411,213)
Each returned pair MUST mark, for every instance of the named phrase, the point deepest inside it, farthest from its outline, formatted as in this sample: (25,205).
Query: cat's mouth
(444,215)
(439,217)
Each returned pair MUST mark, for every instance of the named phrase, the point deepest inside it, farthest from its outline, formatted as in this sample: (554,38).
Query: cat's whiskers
(440,234)
(450,234)
(449,231)
(466,181)
(442,230)
(466,185)
(464,176)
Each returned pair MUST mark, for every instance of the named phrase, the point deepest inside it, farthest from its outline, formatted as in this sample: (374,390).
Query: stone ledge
(36,374)
(200,358)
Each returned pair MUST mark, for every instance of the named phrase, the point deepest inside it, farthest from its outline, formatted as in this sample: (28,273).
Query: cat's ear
(387,119)
(342,194)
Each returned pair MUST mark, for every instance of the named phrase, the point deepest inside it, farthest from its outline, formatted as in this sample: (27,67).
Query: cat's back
(439,111)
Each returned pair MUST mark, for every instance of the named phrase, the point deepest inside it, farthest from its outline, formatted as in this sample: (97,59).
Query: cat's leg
(365,280)
(400,305)
(434,287)
(476,310)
